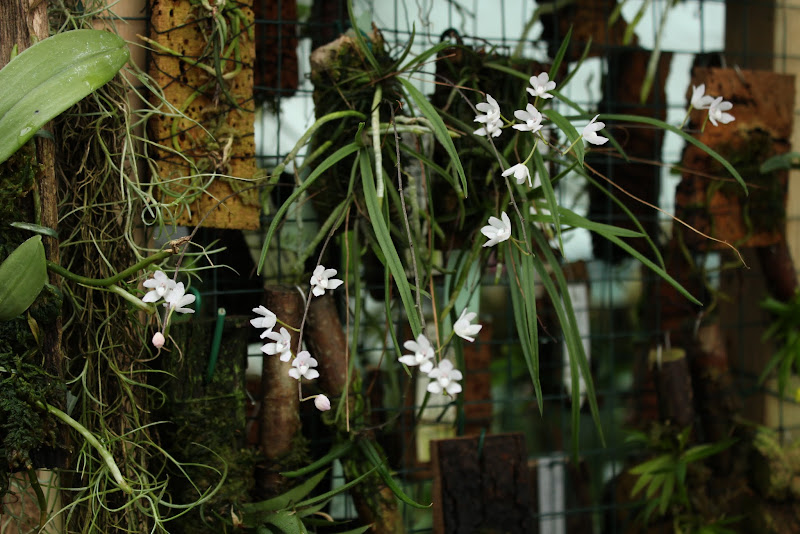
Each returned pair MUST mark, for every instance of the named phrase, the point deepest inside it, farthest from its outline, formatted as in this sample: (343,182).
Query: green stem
(110,281)
(94,442)
(37,489)
(130,298)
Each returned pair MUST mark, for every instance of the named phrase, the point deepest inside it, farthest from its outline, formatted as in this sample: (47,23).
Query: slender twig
(110,281)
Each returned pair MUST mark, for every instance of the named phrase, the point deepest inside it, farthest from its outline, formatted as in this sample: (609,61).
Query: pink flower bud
(322,403)
(158,340)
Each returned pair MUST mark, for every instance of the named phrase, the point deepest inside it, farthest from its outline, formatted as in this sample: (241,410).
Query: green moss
(24,427)
(205,422)
(764,207)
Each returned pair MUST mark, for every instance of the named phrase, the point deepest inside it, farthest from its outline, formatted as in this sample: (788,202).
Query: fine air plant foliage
(391,177)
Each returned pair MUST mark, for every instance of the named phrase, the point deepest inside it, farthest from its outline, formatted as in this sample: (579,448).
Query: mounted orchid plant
(389,210)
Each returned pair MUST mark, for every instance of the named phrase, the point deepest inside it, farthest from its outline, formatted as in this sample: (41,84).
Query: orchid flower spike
(422,353)
(464,328)
(717,109)
(521,173)
(540,85)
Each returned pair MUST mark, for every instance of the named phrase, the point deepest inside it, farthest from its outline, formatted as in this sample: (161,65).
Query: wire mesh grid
(621,328)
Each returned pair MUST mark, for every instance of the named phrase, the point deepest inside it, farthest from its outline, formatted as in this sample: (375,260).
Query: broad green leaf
(439,129)
(387,245)
(52,75)
(23,274)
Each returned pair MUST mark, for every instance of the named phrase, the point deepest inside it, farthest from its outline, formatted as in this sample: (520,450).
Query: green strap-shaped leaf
(387,245)
(49,77)
(439,129)
(22,276)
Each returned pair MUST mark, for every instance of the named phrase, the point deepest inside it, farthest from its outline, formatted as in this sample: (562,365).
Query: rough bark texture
(674,386)
(279,418)
(326,341)
(481,486)
(779,271)
(708,198)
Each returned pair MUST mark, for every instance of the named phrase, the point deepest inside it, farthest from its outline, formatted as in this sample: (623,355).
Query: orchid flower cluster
(175,300)
(443,376)
(717,107)
(280,342)
(499,229)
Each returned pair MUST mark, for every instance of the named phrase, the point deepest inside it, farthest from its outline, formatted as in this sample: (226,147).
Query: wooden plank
(481,484)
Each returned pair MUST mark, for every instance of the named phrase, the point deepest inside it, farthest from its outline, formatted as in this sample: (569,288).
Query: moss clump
(24,426)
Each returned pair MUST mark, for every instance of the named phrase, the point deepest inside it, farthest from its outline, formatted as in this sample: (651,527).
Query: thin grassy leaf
(376,460)
(666,494)
(653,267)
(387,245)
(332,493)
(337,451)
(653,465)
(576,354)
(779,162)
(687,137)
(655,485)
(641,482)
(631,217)
(30,227)
(549,195)
(563,83)
(429,52)
(329,162)
(574,220)
(439,129)
(572,134)
(560,55)
(286,499)
(365,48)
(523,302)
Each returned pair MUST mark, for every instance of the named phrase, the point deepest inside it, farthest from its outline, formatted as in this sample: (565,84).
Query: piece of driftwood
(324,336)
(708,198)
(481,485)
(279,417)
(673,386)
